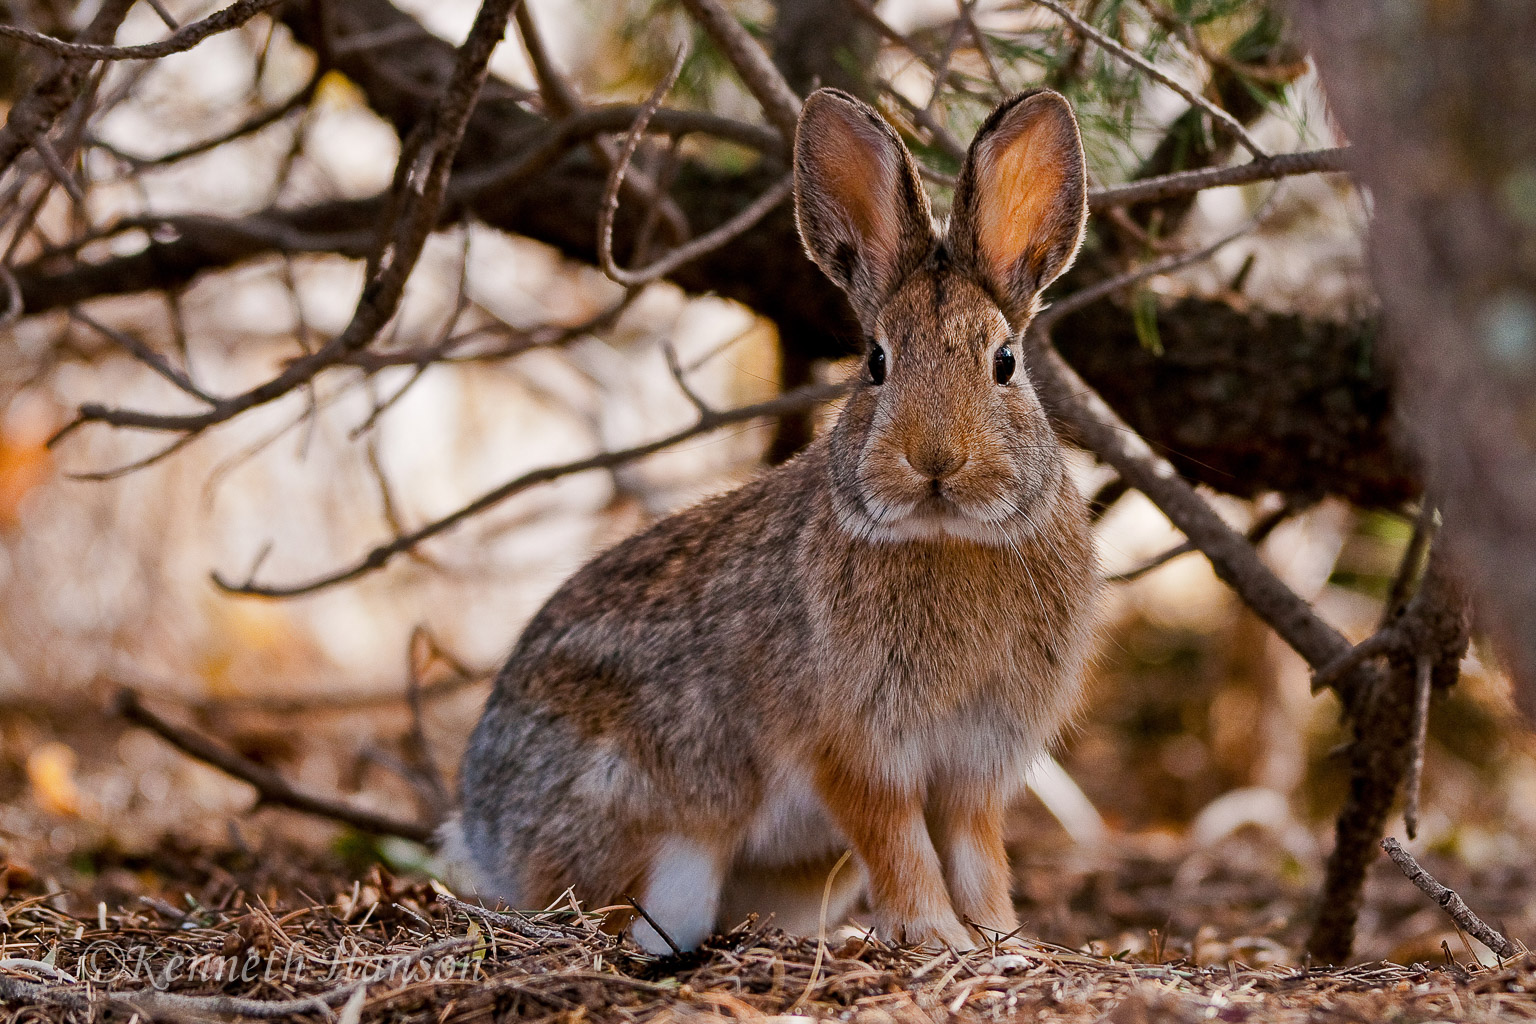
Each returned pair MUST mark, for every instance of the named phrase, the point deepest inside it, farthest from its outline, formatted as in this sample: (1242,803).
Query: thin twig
(1409,565)
(514,923)
(1451,903)
(144,354)
(32,115)
(255,123)
(1257,534)
(421,640)
(271,788)
(21,963)
(821,930)
(675,367)
(231,17)
(1167,265)
(968,16)
(794,401)
(418,192)
(562,100)
(1226,120)
(705,243)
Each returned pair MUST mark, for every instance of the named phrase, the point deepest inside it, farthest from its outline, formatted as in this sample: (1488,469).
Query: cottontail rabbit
(863,649)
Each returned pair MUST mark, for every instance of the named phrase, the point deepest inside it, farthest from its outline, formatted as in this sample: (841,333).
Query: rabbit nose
(937,463)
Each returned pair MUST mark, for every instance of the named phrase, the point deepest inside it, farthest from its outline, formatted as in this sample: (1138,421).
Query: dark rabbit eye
(876,363)
(1003,365)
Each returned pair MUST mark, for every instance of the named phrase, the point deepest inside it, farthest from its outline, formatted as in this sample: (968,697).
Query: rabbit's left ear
(859,203)
(1021,200)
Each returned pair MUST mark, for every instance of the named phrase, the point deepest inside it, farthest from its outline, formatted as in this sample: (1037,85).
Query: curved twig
(705,243)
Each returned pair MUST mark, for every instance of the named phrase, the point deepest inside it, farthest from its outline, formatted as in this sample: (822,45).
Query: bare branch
(231,17)
(1423,676)
(692,250)
(1424,529)
(1078,299)
(675,367)
(1451,903)
(1237,563)
(146,355)
(251,125)
(1182,183)
(795,401)
(34,113)
(421,181)
(271,788)
(1257,534)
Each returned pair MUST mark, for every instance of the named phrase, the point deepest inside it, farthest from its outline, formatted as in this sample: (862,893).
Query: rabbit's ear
(860,206)
(1021,200)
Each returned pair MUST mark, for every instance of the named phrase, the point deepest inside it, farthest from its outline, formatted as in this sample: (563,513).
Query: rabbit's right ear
(859,203)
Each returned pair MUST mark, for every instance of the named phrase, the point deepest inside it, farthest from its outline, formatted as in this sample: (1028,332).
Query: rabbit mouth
(936,515)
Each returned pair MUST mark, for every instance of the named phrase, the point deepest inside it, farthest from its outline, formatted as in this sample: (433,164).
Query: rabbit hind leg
(681,893)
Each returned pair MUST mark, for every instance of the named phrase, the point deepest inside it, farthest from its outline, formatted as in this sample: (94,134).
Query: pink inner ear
(858,173)
(1021,170)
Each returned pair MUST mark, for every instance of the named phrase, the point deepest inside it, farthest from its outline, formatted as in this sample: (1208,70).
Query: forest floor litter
(388,948)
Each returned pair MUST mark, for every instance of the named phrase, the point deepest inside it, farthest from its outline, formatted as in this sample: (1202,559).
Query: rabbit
(862,650)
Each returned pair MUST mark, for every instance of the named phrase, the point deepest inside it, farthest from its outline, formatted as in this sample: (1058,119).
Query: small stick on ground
(1451,903)
(676,949)
(515,923)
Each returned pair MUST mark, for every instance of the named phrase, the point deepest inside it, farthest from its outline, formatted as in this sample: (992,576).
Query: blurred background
(1194,805)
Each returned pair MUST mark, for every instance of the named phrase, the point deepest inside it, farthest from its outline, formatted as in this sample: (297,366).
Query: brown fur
(863,648)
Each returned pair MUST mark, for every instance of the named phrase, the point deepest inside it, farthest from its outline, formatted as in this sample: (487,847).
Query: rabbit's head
(942,433)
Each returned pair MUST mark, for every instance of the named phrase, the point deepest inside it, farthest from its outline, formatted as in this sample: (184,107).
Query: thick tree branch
(1095,425)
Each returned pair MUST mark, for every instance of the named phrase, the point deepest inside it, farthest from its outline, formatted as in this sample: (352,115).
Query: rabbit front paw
(934,934)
